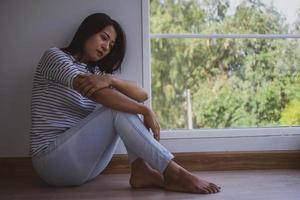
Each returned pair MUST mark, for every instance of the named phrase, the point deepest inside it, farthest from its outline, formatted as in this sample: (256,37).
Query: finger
(86,89)
(146,125)
(91,92)
(79,79)
(82,78)
(156,134)
(157,137)
(83,84)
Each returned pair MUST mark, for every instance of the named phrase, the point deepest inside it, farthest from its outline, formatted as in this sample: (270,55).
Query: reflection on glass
(226,82)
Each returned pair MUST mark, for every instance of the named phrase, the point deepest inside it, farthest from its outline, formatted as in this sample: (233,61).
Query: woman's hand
(151,123)
(87,85)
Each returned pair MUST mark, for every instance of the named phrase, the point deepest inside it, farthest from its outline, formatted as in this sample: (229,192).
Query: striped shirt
(55,105)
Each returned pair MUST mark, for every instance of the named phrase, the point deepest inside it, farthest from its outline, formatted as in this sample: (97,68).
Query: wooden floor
(236,185)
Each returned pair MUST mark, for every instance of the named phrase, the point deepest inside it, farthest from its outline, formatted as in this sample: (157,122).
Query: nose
(105,46)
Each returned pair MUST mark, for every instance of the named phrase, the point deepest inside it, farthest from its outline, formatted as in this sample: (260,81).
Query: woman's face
(99,45)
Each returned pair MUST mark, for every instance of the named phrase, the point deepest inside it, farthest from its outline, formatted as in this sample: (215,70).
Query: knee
(122,113)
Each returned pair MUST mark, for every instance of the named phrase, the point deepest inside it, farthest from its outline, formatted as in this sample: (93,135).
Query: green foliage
(291,114)
(233,82)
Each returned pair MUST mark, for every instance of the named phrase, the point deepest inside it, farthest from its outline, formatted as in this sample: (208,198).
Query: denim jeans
(83,151)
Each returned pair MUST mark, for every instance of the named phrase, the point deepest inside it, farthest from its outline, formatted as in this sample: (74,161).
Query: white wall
(30,27)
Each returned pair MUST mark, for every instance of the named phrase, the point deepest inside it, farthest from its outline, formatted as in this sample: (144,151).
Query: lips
(100,53)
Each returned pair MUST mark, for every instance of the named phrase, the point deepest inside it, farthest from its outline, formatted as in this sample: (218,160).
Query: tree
(233,82)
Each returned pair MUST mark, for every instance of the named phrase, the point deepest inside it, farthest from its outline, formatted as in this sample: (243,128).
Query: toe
(211,189)
(207,190)
(215,187)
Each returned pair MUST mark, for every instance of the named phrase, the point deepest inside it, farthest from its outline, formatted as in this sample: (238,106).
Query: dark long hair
(93,24)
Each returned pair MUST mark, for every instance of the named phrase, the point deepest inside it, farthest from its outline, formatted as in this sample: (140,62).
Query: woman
(73,140)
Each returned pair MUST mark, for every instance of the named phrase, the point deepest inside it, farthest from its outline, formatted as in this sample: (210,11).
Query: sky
(286,7)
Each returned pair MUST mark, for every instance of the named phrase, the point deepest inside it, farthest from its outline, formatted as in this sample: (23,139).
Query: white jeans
(82,152)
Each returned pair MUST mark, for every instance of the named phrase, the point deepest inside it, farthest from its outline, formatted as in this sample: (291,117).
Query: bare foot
(143,176)
(180,180)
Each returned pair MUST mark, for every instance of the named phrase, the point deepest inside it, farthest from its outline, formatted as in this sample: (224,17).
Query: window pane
(225,16)
(231,82)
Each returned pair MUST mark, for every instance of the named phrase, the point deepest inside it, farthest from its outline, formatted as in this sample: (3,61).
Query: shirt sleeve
(58,67)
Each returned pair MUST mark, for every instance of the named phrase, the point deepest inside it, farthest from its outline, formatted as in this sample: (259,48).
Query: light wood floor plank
(236,185)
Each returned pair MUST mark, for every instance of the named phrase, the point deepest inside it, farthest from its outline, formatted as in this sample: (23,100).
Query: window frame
(208,140)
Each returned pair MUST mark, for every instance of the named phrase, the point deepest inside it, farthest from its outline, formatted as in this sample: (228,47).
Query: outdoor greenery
(233,82)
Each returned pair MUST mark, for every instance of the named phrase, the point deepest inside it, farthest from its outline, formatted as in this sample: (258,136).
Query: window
(225,64)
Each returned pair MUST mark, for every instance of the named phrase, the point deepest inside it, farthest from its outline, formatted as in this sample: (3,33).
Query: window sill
(228,133)
(222,140)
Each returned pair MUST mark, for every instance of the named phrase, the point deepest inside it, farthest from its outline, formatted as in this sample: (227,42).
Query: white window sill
(221,140)
(228,133)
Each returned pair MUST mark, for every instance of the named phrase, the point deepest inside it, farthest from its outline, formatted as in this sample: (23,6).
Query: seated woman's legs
(139,141)
(81,153)
(142,174)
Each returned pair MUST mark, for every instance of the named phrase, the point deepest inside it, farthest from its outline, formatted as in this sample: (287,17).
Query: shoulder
(56,55)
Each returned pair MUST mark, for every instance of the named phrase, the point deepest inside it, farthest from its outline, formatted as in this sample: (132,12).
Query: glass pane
(226,82)
(225,16)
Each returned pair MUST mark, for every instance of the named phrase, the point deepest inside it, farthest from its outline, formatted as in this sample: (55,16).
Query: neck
(80,58)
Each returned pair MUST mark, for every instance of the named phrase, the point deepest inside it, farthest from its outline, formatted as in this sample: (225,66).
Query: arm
(116,100)
(109,97)
(88,84)
(130,89)
(57,67)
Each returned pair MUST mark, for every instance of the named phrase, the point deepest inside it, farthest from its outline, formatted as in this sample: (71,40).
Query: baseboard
(208,161)
(223,161)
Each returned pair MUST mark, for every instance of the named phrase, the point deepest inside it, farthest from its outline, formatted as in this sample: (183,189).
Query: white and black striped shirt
(55,105)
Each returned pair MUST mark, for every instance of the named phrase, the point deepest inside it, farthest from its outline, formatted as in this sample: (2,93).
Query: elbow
(143,97)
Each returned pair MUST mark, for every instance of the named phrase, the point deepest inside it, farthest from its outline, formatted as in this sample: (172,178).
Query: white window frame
(212,140)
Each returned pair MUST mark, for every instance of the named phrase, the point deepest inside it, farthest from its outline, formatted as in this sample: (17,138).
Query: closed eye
(103,37)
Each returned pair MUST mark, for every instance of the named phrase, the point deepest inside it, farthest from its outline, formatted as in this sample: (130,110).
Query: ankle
(172,171)
(137,163)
